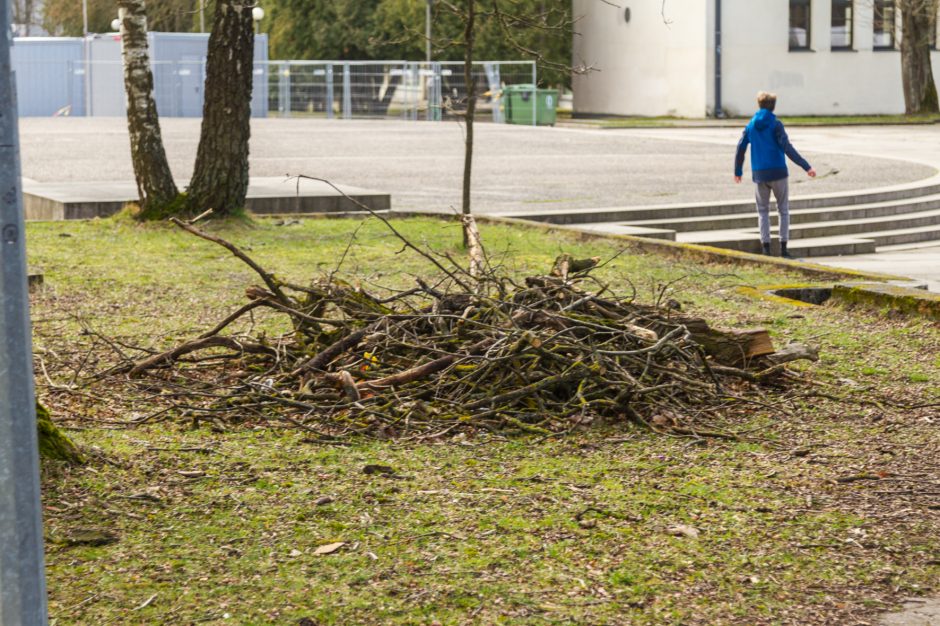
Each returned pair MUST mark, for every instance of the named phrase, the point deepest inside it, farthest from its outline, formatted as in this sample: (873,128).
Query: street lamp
(257,14)
(116,24)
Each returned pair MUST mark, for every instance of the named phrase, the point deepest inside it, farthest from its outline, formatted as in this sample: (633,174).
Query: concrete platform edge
(877,293)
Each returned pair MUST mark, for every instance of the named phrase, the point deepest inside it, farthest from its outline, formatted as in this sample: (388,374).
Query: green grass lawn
(826,511)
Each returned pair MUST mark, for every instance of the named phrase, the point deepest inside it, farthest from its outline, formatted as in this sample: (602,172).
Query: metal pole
(535,94)
(202,17)
(22,585)
(283,82)
(718,112)
(427,29)
(329,91)
(85,57)
(347,93)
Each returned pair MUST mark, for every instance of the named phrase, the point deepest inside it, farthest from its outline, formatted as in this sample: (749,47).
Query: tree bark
(920,90)
(470,84)
(155,185)
(220,177)
(24,13)
(52,443)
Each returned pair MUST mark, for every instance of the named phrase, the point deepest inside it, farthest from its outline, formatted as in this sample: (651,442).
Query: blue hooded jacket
(769,143)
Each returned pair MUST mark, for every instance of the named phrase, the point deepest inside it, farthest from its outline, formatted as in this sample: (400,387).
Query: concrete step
(883,231)
(749,241)
(616,228)
(904,247)
(905,236)
(266,195)
(706,209)
(865,225)
(803,216)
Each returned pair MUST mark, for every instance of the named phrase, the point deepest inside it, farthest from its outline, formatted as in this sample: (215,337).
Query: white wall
(644,66)
(649,68)
(756,56)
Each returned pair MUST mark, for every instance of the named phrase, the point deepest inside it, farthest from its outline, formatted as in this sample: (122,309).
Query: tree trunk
(52,443)
(920,90)
(470,85)
(155,185)
(24,13)
(220,178)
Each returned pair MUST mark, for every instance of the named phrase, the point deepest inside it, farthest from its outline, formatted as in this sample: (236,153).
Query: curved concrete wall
(644,66)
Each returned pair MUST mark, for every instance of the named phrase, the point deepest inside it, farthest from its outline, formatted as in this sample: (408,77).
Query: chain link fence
(390,89)
(69,85)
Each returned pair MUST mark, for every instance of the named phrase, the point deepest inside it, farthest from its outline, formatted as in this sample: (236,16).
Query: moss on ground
(53,445)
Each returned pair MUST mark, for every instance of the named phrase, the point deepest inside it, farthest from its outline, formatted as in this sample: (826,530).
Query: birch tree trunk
(470,84)
(155,184)
(220,177)
(24,12)
(918,17)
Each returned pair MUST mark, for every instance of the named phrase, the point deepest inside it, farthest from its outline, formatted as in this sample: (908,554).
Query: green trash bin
(518,105)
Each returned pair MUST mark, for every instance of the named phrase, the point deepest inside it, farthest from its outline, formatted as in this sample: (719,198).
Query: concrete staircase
(826,225)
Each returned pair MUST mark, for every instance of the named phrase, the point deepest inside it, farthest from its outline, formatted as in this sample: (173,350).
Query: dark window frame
(886,6)
(850,24)
(809,25)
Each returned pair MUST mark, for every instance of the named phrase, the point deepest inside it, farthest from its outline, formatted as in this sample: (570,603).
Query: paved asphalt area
(421,164)
(916,612)
(516,169)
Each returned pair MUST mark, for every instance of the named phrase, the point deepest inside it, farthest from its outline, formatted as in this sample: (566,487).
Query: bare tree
(220,178)
(918,32)
(155,185)
(469,39)
(24,14)
(504,18)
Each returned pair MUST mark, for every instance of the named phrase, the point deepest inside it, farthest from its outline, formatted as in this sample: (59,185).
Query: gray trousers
(781,191)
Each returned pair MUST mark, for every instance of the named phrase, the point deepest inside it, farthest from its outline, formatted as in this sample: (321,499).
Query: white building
(823,57)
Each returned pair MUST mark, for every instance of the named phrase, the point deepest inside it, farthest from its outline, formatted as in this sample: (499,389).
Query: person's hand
(737,179)
(811,173)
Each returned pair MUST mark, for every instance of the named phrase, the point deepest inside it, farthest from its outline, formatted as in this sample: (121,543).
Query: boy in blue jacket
(769,168)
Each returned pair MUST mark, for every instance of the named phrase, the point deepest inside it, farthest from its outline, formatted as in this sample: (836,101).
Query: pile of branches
(475,350)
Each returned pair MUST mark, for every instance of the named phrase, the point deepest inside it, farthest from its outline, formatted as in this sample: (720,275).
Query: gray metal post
(347,93)
(329,91)
(22,584)
(283,88)
(86,54)
(436,97)
(535,95)
(719,113)
(427,30)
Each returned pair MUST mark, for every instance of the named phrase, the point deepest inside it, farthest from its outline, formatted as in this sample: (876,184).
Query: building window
(842,24)
(799,24)
(884,25)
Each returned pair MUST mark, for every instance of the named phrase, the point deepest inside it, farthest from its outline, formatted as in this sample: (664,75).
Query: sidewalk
(912,144)
(920,264)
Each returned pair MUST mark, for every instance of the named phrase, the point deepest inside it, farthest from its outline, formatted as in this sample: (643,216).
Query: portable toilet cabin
(50,76)
(53,77)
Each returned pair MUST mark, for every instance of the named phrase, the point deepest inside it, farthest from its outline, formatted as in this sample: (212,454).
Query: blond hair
(766,100)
